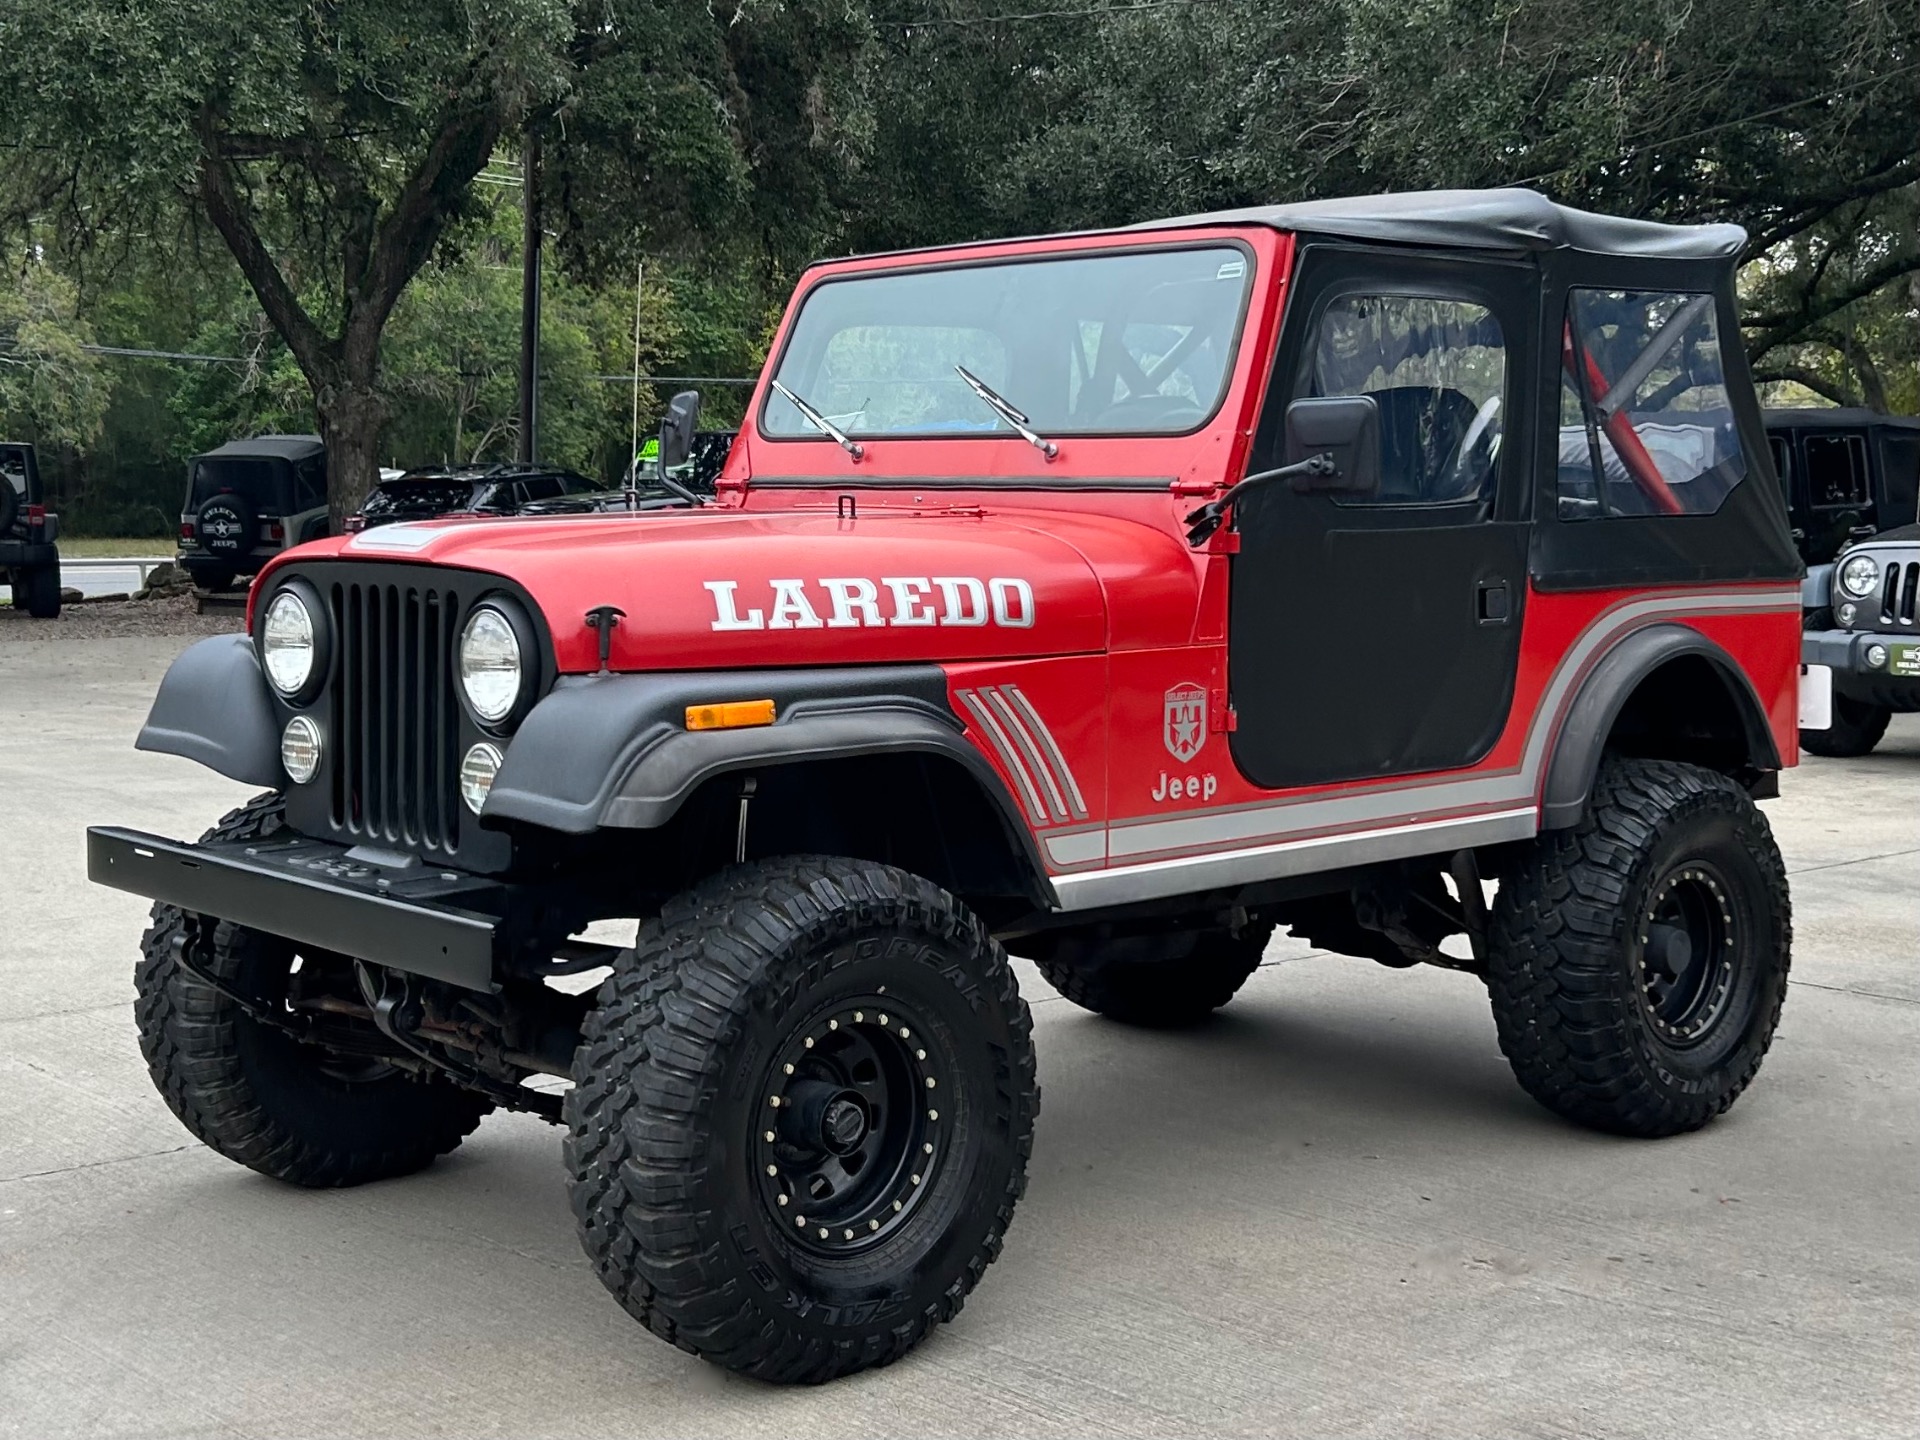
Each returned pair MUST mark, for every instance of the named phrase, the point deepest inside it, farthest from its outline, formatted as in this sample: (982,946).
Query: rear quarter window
(1646,427)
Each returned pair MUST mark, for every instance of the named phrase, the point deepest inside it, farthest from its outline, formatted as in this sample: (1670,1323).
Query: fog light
(476,774)
(300,749)
(1876,655)
(1845,614)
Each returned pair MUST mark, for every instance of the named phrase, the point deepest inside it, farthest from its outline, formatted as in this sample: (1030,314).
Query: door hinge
(1225,718)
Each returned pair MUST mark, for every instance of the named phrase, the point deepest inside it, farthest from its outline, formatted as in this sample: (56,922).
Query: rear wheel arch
(1664,693)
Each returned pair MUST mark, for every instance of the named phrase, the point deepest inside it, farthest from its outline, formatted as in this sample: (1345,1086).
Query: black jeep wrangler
(1847,474)
(1862,642)
(249,500)
(1851,479)
(434,492)
(28,556)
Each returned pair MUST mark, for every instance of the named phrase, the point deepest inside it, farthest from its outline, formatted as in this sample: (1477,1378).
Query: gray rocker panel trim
(213,707)
(1582,739)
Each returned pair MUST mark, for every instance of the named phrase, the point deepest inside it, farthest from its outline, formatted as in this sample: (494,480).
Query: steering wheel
(1460,461)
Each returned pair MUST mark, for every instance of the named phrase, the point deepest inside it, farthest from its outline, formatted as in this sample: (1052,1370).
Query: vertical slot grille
(395,718)
(1905,614)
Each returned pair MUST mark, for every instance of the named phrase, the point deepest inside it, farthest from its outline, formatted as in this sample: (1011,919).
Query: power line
(128,353)
(972,22)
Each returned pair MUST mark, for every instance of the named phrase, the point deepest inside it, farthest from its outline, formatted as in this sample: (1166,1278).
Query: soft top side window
(1836,471)
(1646,427)
(1437,368)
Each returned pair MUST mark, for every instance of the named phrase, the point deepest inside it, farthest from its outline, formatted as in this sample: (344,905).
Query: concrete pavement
(1330,1212)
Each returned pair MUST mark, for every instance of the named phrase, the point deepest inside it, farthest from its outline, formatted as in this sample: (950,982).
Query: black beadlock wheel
(1857,727)
(1638,961)
(1161,980)
(261,1098)
(801,1117)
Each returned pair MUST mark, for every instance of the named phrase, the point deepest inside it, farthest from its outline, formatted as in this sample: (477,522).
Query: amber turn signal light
(732,715)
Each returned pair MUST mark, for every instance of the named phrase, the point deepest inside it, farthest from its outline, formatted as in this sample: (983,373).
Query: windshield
(1117,344)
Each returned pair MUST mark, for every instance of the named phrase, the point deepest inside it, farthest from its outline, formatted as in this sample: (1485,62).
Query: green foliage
(52,391)
(328,191)
(1795,119)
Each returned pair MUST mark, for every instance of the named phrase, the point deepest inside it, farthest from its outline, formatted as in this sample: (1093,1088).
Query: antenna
(633,446)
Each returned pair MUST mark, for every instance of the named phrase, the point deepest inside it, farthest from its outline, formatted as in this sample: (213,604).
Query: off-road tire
(1857,727)
(38,592)
(211,577)
(259,1097)
(1569,965)
(1164,981)
(667,1109)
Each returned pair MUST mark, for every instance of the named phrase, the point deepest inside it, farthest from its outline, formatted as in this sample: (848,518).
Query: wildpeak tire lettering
(856,603)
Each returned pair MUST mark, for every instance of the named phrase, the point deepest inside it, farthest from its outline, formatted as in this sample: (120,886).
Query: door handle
(1492,605)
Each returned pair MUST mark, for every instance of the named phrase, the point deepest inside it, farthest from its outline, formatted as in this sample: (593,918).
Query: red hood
(734,589)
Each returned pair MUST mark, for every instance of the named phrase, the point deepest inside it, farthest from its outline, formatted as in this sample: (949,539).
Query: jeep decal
(854,602)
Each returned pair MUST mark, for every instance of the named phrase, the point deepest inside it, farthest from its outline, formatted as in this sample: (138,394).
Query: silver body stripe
(1384,822)
(1036,808)
(1077,848)
(1029,749)
(1120,884)
(1054,757)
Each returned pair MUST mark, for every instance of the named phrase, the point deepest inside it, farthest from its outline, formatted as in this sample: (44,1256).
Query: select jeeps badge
(1185,724)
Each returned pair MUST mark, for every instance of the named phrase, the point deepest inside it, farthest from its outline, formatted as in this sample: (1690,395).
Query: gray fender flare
(1578,747)
(213,707)
(613,751)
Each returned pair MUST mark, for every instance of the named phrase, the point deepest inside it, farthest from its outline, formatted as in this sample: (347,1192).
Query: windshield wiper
(820,422)
(1006,412)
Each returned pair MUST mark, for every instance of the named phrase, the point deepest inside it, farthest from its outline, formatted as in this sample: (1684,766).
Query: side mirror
(1346,427)
(676,430)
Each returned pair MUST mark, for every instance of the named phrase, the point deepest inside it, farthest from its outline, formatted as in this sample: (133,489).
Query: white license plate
(1816,697)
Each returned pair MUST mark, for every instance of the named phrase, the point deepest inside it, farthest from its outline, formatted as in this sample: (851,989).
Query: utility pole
(530,301)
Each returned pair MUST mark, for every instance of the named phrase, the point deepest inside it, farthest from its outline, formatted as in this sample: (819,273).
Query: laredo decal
(848,603)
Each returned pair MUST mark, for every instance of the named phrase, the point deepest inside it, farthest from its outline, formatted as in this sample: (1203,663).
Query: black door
(1379,634)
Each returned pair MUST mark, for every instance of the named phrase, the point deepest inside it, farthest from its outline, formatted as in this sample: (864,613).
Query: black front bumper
(443,924)
(1845,652)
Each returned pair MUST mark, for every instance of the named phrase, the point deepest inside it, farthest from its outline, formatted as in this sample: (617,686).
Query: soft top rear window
(1139,342)
(257,481)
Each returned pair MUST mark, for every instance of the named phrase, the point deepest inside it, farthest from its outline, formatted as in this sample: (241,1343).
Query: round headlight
(490,665)
(287,643)
(300,749)
(476,774)
(1859,575)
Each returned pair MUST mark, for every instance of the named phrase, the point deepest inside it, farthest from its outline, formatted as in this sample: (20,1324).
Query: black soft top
(1480,220)
(276,447)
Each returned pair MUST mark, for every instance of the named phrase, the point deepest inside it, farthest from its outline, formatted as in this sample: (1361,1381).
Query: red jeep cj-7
(1112,598)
